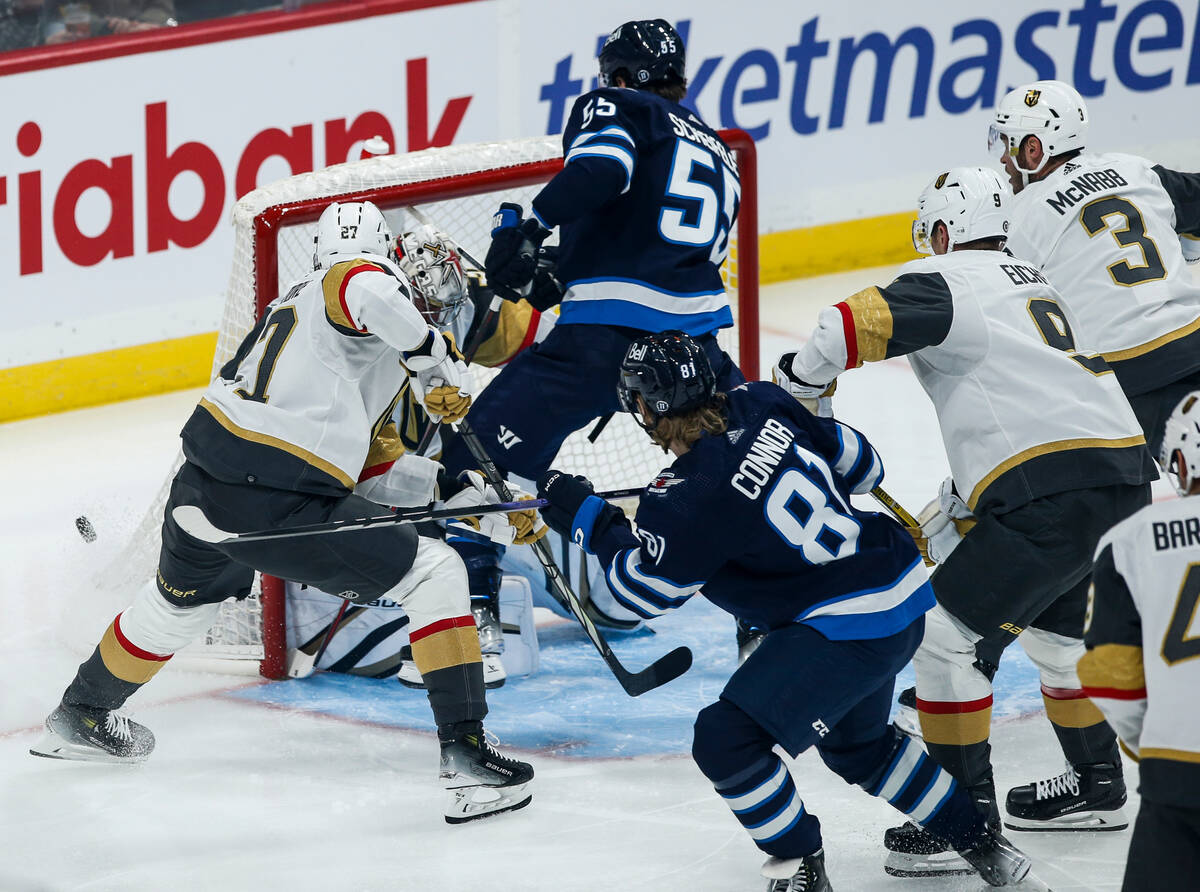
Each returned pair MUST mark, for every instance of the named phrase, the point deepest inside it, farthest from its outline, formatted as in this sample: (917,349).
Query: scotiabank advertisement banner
(118,174)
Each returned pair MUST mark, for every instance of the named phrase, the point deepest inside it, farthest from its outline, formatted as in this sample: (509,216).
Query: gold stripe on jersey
(283,445)
(331,285)
(512,327)
(956,728)
(1078,713)
(1127,751)
(1155,752)
(1113,666)
(872,324)
(386,447)
(1046,449)
(1161,340)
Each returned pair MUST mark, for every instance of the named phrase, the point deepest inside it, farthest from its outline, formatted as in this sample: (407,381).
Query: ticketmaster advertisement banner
(117,175)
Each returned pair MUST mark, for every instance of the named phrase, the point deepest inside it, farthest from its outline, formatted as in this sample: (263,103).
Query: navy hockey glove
(511,259)
(575,510)
(546,291)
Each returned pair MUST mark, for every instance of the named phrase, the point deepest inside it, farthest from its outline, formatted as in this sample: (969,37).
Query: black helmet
(671,373)
(647,51)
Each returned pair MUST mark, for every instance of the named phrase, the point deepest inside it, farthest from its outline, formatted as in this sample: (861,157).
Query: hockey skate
(748,640)
(481,781)
(907,721)
(915,852)
(998,861)
(1084,797)
(805,874)
(92,734)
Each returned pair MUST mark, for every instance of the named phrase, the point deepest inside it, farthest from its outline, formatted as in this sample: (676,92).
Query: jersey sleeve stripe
(851,337)
(615,153)
(333,286)
(871,318)
(611,132)
(663,586)
(637,596)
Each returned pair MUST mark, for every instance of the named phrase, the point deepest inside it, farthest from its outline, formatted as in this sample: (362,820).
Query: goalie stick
(666,668)
(193,521)
(303,660)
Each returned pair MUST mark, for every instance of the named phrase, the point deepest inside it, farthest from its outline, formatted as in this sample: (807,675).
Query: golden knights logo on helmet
(941,180)
(1032,97)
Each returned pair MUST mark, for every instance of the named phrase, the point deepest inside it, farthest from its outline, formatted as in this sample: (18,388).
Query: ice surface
(330,783)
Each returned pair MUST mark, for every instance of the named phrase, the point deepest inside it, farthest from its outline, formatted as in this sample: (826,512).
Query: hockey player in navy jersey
(756,510)
(644,206)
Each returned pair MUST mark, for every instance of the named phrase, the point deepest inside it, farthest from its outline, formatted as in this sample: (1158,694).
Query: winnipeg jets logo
(659,484)
(506,438)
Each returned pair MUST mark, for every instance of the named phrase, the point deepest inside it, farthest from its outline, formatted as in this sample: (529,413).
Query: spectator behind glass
(77,20)
(21,23)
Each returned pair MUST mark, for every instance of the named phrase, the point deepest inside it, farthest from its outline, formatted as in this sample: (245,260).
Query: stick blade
(665,669)
(193,522)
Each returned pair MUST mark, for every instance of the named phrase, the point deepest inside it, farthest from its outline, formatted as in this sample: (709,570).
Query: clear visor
(998,143)
(920,237)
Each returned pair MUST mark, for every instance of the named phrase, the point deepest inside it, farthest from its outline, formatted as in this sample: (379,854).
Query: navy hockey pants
(552,390)
(800,689)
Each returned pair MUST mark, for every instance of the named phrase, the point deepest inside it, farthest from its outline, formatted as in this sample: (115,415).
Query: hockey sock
(916,785)
(956,735)
(113,672)
(734,752)
(1083,734)
(447,656)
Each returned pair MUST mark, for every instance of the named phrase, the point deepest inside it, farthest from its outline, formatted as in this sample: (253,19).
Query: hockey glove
(511,528)
(439,377)
(816,398)
(574,510)
(546,291)
(511,259)
(944,522)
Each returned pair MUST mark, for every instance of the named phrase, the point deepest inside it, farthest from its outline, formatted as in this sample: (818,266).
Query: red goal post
(458,188)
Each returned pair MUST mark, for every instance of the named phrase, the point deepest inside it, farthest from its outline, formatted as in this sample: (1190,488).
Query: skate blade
(52,746)
(1077,822)
(473,803)
(943,864)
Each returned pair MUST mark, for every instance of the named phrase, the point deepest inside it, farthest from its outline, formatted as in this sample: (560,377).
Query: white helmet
(972,202)
(430,261)
(354,227)
(1180,451)
(1050,110)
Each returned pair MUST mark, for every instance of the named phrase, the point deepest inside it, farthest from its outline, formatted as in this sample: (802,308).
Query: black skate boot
(998,861)
(1084,797)
(915,852)
(93,734)
(481,781)
(805,874)
(907,721)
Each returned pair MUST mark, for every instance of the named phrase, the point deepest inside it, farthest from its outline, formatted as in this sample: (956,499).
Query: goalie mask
(349,228)
(430,261)
(670,372)
(644,53)
(1180,452)
(1050,110)
(972,202)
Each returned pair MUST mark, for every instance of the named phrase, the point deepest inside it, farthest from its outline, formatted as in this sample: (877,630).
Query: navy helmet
(644,52)
(670,371)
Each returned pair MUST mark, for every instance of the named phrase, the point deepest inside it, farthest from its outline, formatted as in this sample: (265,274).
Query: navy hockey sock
(916,785)
(764,800)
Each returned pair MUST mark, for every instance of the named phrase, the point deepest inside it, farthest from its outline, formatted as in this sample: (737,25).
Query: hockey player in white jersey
(1140,665)
(1106,229)
(1045,455)
(281,437)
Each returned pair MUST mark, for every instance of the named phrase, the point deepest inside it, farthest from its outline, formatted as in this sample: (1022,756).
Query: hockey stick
(895,508)
(303,660)
(666,668)
(193,521)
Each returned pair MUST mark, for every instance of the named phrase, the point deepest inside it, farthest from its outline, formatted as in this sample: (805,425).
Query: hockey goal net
(457,188)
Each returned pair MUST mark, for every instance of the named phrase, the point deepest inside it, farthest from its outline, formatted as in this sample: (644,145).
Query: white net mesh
(621,457)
